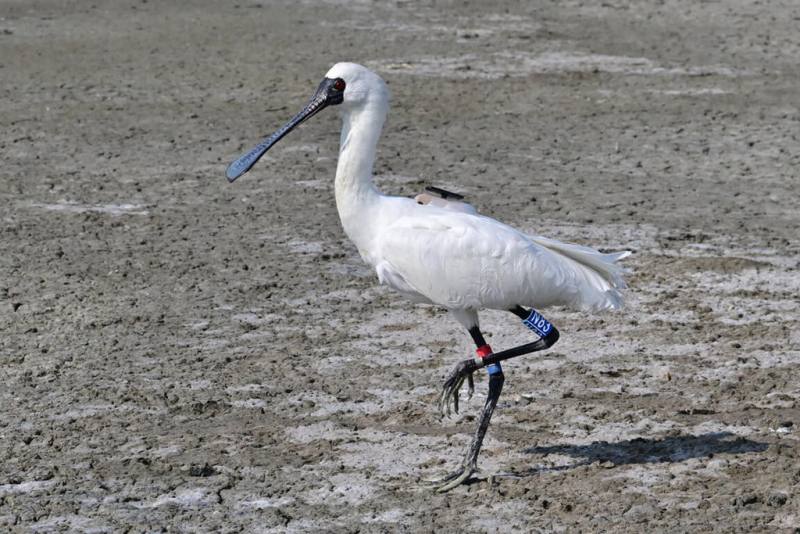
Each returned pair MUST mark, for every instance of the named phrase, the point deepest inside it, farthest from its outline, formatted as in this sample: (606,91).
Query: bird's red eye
(339,84)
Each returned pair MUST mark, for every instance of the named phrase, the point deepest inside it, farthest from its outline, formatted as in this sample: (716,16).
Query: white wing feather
(466,261)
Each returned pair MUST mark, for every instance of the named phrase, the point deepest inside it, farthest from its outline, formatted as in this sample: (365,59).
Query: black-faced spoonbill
(448,255)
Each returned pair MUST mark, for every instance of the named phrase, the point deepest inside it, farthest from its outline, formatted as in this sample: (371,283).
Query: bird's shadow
(645,451)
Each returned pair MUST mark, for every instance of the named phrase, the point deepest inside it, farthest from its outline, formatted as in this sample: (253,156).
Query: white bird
(434,251)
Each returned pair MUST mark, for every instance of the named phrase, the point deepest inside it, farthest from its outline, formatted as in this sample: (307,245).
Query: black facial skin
(329,93)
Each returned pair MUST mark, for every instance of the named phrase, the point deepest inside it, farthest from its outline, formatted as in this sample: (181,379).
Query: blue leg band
(494,369)
(538,324)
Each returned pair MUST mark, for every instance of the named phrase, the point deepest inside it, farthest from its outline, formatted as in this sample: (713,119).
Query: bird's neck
(356,194)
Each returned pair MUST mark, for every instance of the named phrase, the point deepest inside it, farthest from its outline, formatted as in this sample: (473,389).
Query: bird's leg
(486,358)
(462,371)
(470,463)
(548,335)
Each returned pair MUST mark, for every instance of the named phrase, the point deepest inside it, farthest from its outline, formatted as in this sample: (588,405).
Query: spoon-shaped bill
(245,162)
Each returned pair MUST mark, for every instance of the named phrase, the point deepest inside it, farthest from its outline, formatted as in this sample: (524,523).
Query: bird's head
(346,84)
(362,86)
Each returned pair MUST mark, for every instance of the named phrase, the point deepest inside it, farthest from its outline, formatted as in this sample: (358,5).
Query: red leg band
(484,351)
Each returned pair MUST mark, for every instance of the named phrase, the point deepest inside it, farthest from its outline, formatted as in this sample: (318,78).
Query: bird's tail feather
(602,270)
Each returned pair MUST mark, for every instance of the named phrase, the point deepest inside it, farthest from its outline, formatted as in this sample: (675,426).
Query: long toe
(436,483)
(455,479)
(455,396)
(450,395)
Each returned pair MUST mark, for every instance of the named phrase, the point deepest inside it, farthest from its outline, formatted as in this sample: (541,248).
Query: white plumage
(451,255)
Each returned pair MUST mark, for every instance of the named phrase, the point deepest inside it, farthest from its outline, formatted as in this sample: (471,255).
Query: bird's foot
(455,479)
(462,371)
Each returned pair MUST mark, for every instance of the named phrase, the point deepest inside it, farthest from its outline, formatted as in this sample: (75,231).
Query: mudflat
(179,353)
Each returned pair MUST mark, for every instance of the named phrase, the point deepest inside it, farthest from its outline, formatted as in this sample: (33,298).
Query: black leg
(463,371)
(470,463)
(477,336)
(520,312)
(548,335)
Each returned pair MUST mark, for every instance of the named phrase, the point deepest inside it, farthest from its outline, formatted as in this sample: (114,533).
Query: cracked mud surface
(179,353)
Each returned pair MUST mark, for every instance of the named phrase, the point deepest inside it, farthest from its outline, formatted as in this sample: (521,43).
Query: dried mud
(186,355)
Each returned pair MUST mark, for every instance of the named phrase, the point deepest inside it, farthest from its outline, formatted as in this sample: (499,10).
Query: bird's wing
(465,261)
(462,261)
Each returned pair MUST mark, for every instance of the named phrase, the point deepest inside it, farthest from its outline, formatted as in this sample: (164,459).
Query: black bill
(329,92)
